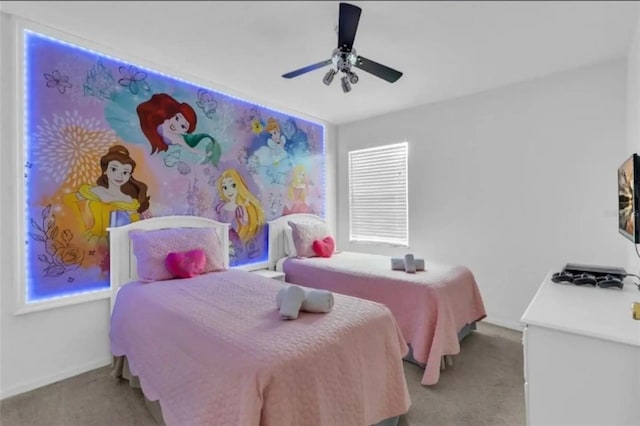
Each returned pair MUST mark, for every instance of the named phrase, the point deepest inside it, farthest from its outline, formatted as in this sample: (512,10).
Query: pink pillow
(304,234)
(186,264)
(324,247)
(152,247)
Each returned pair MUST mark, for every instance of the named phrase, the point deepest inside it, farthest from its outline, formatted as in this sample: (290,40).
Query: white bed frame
(277,234)
(123,261)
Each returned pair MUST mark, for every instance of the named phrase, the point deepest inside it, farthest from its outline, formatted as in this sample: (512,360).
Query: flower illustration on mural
(57,80)
(246,122)
(134,79)
(69,147)
(59,255)
(206,103)
(256,126)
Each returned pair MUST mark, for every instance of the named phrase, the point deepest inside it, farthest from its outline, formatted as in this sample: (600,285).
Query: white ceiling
(444,49)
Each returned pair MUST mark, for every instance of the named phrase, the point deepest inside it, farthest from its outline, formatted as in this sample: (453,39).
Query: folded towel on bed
(316,301)
(397,264)
(291,301)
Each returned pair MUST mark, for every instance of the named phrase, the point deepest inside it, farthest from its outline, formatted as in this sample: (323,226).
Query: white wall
(42,347)
(633,118)
(633,135)
(512,182)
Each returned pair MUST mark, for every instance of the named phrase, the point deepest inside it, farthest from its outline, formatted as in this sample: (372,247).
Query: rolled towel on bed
(290,302)
(397,264)
(316,301)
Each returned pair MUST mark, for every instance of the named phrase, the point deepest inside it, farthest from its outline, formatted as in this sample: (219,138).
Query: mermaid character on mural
(116,190)
(239,207)
(297,192)
(166,122)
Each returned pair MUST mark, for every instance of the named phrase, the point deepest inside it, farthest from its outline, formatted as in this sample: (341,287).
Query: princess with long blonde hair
(239,206)
(297,191)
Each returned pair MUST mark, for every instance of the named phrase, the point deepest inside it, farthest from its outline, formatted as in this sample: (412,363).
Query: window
(378,199)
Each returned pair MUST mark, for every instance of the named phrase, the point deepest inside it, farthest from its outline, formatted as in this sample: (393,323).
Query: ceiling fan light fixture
(344,56)
(346,86)
(353,77)
(328,77)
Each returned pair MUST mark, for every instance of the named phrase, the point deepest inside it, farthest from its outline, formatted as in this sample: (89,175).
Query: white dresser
(582,356)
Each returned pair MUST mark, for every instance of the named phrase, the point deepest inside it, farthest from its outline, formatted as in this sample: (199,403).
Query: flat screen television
(628,205)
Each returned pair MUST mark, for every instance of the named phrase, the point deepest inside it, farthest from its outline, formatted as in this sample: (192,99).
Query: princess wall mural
(108,143)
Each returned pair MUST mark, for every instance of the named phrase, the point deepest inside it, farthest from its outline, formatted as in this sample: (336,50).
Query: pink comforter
(430,306)
(213,350)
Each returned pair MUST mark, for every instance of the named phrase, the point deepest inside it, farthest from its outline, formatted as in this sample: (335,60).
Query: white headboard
(123,261)
(277,234)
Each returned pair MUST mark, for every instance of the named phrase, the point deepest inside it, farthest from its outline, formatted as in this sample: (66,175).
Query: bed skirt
(120,370)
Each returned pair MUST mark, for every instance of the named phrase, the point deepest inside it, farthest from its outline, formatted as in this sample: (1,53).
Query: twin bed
(213,350)
(435,308)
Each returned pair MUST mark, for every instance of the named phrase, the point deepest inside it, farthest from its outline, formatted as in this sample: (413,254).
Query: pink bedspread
(213,350)
(430,307)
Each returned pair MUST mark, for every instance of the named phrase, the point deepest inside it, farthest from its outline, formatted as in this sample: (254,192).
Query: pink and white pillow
(152,247)
(305,234)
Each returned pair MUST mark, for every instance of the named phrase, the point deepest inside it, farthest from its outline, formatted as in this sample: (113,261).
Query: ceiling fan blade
(307,69)
(379,70)
(348,25)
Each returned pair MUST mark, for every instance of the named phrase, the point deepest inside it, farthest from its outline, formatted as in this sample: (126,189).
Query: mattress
(431,306)
(213,350)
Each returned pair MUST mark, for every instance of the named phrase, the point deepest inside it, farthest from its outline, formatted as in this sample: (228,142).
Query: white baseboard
(513,325)
(25,387)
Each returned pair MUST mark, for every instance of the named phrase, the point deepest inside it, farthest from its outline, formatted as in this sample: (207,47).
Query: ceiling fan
(344,57)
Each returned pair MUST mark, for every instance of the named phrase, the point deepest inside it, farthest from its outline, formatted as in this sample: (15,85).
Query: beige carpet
(483,388)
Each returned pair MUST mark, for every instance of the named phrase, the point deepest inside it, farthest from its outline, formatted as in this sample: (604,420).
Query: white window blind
(378,198)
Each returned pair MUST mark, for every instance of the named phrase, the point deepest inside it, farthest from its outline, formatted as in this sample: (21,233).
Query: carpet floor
(484,387)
